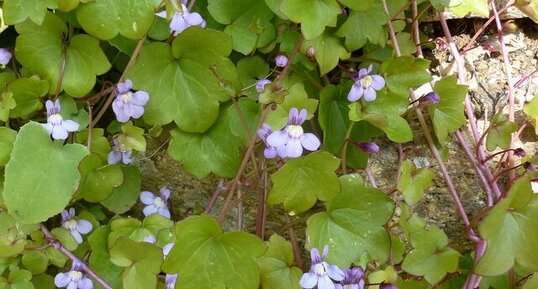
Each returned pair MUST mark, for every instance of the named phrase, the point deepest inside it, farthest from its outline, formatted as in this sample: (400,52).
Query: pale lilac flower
(368,147)
(5,56)
(352,279)
(365,84)
(260,84)
(56,125)
(119,153)
(281,60)
(128,104)
(183,19)
(74,278)
(290,141)
(321,273)
(170,281)
(156,205)
(75,228)
(270,151)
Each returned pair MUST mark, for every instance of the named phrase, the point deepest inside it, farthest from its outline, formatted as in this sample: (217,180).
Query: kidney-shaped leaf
(40,49)
(206,258)
(303,180)
(183,87)
(276,268)
(104,19)
(352,224)
(41,175)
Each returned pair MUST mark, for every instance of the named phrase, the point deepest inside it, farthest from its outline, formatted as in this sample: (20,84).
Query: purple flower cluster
(74,278)
(128,104)
(365,85)
(183,19)
(75,228)
(156,204)
(326,276)
(289,142)
(56,125)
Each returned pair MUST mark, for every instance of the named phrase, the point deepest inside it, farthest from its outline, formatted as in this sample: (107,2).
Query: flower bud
(310,51)
(281,60)
(5,56)
(368,147)
(520,152)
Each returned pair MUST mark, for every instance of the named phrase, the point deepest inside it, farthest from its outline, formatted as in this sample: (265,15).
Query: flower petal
(165,193)
(50,107)
(114,157)
(126,157)
(314,256)
(270,152)
(167,248)
(378,82)
(294,148)
(124,87)
(281,151)
(85,283)
(164,212)
(161,14)
(325,252)
(178,24)
(70,126)
(138,111)
(293,116)
(61,279)
(150,210)
(193,19)
(58,132)
(277,138)
(309,280)
(140,97)
(147,197)
(310,141)
(369,94)
(72,285)
(355,93)
(302,116)
(77,236)
(84,227)
(324,282)
(335,273)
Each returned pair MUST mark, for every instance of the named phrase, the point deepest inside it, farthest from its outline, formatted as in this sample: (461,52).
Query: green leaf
(511,230)
(136,230)
(99,143)
(7,103)
(358,5)
(531,110)
(329,50)
(463,7)
(430,256)
(39,167)
(413,183)
(276,270)
(251,112)
(70,111)
(250,69)
(248,22)
(352,224)
(532,282)
(363,26)
(126,195)
(132,137)
(39,49)
(65,238)
(313,15)
(448,114)
(142,262)
(303,180)
(100,257)
(27,93)
(296,97)
(187,91)
(104,19)
(216,150)
(405,72)
(16,11)
(35,261)
(20,279)
(12,240)
(43,281)
(206,258)
(385,113)
(500,132)
(98,179)
(529,8)
(7,137)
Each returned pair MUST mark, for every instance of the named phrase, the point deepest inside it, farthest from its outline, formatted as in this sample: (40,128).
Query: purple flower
(56,125)
(431,97)
(76,228)
(183,20)
(281,60)
(260,84)
(128,104)
(368,147)
(321,272)
(290,141)
(365,84)
(170,281)
(119,153)
(74,278)
(5,56)
(270,151)
(156,205)
(352,279)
